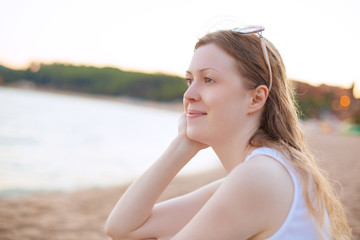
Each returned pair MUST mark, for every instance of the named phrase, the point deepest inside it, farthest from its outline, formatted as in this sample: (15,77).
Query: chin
(196,135)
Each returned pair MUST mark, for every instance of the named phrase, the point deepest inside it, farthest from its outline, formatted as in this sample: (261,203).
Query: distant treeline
(313,102)
(104,81)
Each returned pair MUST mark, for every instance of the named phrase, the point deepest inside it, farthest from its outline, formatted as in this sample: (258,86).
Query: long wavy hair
(279,125)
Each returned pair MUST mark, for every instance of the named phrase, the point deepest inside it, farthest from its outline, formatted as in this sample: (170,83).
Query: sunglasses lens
(249,29)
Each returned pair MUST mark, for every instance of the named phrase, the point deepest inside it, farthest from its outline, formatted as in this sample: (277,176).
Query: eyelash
(189,81)
(207,79)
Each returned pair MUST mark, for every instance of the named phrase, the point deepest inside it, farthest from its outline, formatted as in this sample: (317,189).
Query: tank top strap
(268,152)
(278,157)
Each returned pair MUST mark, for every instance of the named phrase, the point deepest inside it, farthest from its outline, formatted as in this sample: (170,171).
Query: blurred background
(52,44)
(90,91)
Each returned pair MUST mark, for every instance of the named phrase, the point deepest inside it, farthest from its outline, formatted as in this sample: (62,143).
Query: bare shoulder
(261,170)
(263,190)
(260,176)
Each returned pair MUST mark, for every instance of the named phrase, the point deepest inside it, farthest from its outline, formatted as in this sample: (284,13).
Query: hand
(192,144)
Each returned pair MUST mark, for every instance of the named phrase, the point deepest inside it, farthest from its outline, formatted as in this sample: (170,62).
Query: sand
(82,214)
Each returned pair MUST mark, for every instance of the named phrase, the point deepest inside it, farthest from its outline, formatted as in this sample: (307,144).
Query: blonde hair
(279,126)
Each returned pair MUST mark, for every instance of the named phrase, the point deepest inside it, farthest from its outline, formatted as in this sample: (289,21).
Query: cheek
(229,114)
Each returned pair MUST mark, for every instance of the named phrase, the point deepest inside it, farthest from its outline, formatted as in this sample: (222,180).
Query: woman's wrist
(185,146)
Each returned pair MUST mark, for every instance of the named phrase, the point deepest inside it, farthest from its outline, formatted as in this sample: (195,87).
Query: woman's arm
(169,217)
(135,208)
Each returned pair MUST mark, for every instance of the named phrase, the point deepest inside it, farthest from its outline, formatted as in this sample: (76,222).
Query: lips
(195,113)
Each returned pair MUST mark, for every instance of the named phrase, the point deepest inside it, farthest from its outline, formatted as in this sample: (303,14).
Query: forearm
(135,206)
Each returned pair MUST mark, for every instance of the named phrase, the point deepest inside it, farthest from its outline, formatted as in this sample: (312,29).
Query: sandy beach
(82,214)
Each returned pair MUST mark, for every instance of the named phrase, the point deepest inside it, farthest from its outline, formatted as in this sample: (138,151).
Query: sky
(319,40)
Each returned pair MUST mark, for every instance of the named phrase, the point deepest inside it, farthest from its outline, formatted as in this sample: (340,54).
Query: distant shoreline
(315,124)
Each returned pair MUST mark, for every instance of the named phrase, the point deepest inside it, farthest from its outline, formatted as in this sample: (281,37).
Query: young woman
(240,103)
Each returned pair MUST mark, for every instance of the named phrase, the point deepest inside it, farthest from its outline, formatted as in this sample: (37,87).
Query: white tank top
(298,224)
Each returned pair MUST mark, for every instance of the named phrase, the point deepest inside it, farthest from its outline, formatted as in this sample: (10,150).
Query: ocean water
(54,142)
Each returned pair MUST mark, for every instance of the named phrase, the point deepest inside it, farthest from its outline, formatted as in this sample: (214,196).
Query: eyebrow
(202,70)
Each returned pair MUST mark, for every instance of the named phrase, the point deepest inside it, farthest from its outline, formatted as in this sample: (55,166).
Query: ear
(258,98)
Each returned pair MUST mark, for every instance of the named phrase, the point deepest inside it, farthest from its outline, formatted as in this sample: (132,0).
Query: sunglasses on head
(258,30)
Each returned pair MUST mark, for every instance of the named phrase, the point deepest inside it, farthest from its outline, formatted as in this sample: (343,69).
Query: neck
(233,150)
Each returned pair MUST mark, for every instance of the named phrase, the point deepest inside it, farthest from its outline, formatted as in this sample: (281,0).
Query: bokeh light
(345,101)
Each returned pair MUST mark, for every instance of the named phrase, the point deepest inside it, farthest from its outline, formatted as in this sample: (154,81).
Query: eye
(188,81)
(208,80)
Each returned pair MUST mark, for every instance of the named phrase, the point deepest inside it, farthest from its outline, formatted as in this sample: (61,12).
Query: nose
(192,93)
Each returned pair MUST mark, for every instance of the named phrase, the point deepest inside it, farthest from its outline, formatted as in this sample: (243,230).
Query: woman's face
(216,102)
